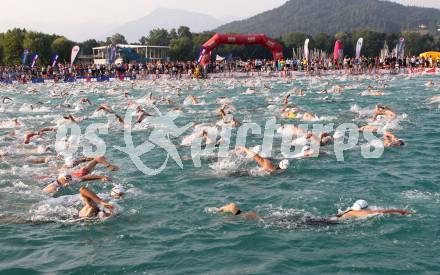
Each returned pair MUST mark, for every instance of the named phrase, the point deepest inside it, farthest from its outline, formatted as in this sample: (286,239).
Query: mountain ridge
(314,16)
(167,19)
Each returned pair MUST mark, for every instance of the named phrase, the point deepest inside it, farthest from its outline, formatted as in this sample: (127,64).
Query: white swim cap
(284,164)
(118,190)
(359,205)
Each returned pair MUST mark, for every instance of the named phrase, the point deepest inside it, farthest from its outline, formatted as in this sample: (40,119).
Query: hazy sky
(69,11)
(110,11)
(69,16)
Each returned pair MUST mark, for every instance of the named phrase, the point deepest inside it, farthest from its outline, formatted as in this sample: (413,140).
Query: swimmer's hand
(106,179)
(242,149)
(107,206)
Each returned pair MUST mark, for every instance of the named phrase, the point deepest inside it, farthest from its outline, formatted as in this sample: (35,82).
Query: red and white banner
(75,51)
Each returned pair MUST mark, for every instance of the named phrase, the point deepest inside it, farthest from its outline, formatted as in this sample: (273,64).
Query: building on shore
(124,53)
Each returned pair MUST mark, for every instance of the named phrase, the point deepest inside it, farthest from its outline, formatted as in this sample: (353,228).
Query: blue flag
(111,54)
(25,56)
(34,59)
(55,59)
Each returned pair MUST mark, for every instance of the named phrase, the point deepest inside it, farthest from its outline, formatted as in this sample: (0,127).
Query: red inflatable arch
(238,39)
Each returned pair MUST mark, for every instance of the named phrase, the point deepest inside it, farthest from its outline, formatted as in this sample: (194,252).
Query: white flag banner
(359,48)
(306,49)
(75,51)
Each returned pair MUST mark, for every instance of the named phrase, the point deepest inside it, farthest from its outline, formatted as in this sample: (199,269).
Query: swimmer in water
(28,136)
(12,122)
(307,116)
(91,203)
(228,118)
(209,141)
(141,114)
(5,98)
(193,99)
(83,174)
(233,209)
(286,100)
(383,111)
(85,100)
(323,139)
(390,140)
(265,164)
(106,108)
(359,210)
(69,118)
(288,111)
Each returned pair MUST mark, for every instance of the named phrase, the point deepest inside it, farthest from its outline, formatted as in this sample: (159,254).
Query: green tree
(63,47)
(417,43)
(156,37)
(199,39)
(294,40)
(173,34)
(324,42)
(2,37)
(88,45)
(184,31)
(13,46)
(40,43)
(182,49)
(117,38)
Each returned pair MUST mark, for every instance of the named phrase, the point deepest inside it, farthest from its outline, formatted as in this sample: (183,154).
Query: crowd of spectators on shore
(192,69)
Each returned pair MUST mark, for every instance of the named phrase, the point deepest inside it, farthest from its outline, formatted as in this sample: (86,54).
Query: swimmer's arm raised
(85,192)
(82,160)
(286,99)
(92,177)
(366,213)
(264,163)
(51,189)
(29,136)
(119,118)
(43,130)
(394,211)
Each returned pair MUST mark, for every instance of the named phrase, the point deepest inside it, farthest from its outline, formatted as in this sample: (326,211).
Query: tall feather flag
(73,55)
(401,48)
(111,54)
(338,52)
(25,56)
(54,59)
(359,44)
(306,49)
(34,60)
(201,55)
